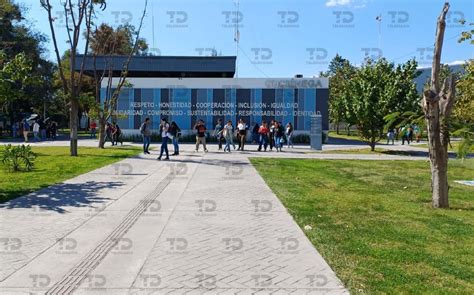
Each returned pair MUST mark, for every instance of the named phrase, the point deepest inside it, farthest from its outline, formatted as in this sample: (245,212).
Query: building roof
(162,66)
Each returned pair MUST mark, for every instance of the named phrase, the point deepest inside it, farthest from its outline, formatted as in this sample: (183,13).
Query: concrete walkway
(200,224)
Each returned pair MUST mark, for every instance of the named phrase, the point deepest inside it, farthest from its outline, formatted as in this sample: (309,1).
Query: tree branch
(438,48)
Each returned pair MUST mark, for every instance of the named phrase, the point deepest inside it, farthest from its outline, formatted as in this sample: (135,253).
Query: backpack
(142,128)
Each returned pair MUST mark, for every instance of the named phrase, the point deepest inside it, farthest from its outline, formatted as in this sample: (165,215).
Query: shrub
(14,157)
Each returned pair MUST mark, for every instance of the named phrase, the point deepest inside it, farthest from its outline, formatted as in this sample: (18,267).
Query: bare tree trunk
(437,105)
(102,132)
(73,123)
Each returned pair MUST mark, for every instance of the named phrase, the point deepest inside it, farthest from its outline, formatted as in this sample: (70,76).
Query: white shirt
(36,127)
(242,126)
(164,130)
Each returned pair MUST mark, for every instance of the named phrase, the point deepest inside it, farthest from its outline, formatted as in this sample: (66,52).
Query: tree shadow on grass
(424,154)
(59,197)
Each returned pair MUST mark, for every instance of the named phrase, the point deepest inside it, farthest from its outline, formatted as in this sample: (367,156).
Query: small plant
(16,157)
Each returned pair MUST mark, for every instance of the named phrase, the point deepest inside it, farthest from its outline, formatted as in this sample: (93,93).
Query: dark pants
(220,140)
(272,141)
(242,138)
(264,142)
(146,142)
(43,134)
(164,146)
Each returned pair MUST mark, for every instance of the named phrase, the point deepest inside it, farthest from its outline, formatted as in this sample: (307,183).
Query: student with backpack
(227,133)
(145,130)
(175,133)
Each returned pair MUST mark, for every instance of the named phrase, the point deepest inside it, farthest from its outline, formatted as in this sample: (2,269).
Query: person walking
(391,136)
(42,129)
(26,130)
(145,131)
(93,129)
(108,133)
(36,129)
(200,135)
(263,132)
(218,133)
(271,137)
(242,129)
(227,133)
(174,134)
(279,133)
(405,135)
(53,130)
(164,127)
(289,134)
(15,128)
(255,134)
(116,134)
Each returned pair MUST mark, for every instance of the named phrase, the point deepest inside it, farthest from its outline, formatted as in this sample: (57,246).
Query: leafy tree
(105,40)
(377,89)
(340,71)
(15,77)
(16,37)
(463,111)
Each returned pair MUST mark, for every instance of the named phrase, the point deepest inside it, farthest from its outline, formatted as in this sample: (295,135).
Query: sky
(282,38)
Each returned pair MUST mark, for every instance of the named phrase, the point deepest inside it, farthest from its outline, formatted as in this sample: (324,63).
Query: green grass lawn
(54,165)
(354,135)
(355,151)
(373,222)
(454,146)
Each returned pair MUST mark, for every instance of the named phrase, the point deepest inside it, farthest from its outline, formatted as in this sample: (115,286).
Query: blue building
(186,89)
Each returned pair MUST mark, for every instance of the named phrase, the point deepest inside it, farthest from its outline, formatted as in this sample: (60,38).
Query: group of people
(113,133)
(273,135)
(167,131)
(407,133)
(42,129)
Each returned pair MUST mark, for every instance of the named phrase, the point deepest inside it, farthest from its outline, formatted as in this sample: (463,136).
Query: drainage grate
(78,273)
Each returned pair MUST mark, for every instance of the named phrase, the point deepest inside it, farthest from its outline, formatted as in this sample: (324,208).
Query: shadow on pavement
(344,141)
(57,197)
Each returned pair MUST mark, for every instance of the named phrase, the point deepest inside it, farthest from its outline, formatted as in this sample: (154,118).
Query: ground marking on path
(466,182)
(79,272)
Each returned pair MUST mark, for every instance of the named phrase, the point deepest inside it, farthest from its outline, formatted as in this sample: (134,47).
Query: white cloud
(352,3)
(332,3)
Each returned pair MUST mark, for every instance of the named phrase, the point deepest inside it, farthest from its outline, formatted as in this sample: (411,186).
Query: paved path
(206,224)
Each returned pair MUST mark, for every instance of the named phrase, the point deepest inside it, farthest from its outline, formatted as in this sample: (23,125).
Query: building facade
(186,100)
